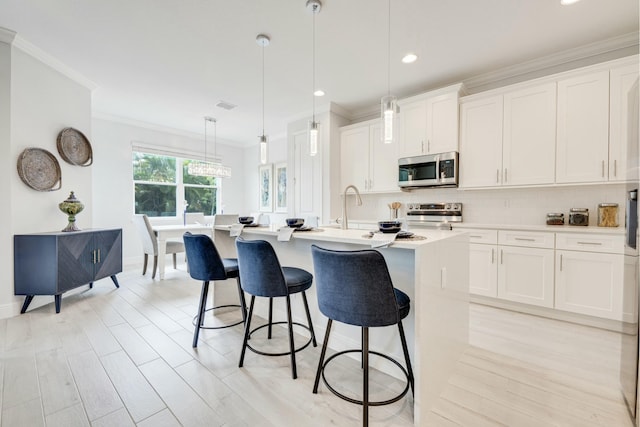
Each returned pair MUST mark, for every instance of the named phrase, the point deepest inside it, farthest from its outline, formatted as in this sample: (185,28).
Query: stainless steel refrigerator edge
(630,348)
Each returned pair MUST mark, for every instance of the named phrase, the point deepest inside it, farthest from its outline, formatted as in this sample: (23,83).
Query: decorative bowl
(245,219)
(389,226)
(295,222)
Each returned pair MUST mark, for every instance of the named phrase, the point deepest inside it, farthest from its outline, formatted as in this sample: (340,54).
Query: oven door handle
(438,177)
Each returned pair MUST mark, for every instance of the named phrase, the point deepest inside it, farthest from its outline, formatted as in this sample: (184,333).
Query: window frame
(179,184)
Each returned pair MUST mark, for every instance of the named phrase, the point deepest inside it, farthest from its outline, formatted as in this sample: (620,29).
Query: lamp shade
(389,110)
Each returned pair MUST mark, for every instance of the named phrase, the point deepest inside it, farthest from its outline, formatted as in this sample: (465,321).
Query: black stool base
(239,322)
(286,353)
(360,402)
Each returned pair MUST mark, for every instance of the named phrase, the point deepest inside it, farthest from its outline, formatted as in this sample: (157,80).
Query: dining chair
(150,244)
(194,218)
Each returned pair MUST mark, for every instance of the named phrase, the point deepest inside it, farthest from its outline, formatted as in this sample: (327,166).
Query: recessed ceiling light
(319,92)
(409,58)
(568,2)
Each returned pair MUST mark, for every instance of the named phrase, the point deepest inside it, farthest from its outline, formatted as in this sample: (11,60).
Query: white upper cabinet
(623,123)
(429,123)
(366,161)
(529,138)
(481,142)
(354,157)
(582,149)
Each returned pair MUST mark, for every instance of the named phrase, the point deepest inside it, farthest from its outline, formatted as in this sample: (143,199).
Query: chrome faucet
(345,223)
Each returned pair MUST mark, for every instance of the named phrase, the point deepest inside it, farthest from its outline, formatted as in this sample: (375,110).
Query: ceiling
(168,62)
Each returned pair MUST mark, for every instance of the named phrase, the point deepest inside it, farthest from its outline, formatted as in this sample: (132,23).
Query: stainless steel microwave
(433,170)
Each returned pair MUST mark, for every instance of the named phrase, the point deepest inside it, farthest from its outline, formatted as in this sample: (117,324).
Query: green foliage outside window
(157,185)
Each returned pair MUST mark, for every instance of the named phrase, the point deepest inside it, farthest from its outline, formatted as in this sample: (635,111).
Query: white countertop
(548,228)
(523,227)
(352,236)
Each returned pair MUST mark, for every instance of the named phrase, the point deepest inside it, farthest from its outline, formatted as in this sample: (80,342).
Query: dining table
(166,232)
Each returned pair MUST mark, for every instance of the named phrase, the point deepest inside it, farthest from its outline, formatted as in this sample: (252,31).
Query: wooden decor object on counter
(608,215)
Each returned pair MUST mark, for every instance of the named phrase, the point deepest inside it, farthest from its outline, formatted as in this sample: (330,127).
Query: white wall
(7,170)
(42,103)
(521,206)
(113,178)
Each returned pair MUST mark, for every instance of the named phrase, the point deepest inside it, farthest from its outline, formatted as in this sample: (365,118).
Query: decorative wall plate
(74,147)
(39,169)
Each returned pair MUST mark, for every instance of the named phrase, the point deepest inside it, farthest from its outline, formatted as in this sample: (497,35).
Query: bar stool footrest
(359,402)
(241,321)
(284,353)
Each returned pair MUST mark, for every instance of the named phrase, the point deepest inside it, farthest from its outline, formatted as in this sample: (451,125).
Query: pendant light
(314,6)
(389,106)
(263,40)
(205,168)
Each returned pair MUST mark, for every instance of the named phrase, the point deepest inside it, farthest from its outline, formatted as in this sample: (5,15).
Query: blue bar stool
(206,264)
(354,287)
(261,275)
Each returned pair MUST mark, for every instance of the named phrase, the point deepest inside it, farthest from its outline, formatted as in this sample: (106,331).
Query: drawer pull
(590,243)
(475,236)
(524,239)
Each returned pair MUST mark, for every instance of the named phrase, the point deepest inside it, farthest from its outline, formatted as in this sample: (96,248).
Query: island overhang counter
(434,272)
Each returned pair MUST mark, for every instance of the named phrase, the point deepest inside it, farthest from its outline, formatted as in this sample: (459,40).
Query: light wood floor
(124,358)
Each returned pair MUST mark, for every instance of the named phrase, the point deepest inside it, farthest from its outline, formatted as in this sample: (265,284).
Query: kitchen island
(433,271)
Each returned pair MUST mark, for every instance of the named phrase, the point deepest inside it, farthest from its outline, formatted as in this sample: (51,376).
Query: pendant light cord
(263,90)
(313,73)
(205,139)
(389,50)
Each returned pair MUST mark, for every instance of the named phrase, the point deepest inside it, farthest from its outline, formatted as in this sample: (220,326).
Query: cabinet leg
(58,299)
(115,281)
(27,301)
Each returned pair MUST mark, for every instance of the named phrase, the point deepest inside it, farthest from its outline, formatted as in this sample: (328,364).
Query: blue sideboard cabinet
(56,262)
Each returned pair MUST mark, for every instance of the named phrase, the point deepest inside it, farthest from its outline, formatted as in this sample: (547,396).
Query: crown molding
(625,41)
(7,36)
(51,61)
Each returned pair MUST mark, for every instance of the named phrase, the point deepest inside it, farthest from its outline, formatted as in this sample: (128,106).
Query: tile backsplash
(512,206)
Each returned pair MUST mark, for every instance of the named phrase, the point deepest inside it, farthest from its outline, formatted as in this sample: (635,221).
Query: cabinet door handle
(501,256)
(422,146)
(615,168)
(428,146)
(492,255)
(524,239)
(603,168)
(497,176)
(560,262)
(99,256)
(93,256)
(505,174)
(590,243)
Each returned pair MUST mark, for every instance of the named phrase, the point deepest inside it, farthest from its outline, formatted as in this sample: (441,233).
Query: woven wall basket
(74,147)
(39,169)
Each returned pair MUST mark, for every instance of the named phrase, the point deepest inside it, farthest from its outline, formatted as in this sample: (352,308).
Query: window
(162,185)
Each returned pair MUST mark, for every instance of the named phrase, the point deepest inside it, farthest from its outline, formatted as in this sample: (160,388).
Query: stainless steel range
(436,215)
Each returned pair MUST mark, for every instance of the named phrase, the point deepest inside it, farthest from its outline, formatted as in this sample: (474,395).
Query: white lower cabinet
(483,270)
(590,283)
(594,277)
(526,275)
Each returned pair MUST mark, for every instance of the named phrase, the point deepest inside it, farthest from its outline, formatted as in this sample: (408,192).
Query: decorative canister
(71,207)
(579,216)
(555,218)
(608,215)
